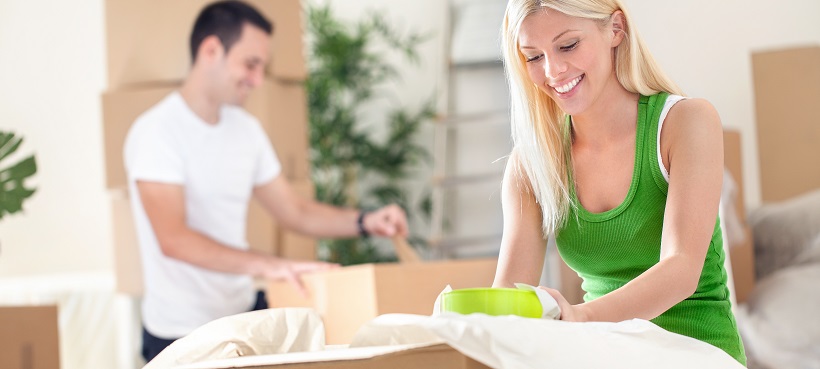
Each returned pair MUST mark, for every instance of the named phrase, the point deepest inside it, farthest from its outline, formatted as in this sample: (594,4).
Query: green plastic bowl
(492,301)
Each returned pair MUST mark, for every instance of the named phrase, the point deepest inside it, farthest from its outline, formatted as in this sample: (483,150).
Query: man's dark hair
(225,19)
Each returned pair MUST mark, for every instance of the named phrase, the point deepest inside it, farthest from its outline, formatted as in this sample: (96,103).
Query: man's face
(243,67)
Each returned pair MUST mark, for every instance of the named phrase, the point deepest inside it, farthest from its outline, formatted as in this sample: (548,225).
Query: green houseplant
(12,177)
(350,165)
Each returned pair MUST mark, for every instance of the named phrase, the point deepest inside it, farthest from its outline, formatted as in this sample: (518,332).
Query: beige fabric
(271,331)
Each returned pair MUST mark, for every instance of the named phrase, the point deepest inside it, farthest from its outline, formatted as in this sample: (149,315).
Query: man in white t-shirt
(194,161)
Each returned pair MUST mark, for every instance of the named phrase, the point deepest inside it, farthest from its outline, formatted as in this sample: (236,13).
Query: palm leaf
(12,187)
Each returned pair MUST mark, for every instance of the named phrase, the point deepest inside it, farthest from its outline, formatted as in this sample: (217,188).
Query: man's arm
(315,219)
(164,205)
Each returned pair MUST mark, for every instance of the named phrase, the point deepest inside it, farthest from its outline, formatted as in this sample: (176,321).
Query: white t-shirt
(218,166)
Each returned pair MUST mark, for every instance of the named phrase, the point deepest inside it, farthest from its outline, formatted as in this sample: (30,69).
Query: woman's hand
(569,312)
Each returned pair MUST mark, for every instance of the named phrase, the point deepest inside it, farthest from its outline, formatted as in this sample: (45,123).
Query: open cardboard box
(348,297)
(440,356)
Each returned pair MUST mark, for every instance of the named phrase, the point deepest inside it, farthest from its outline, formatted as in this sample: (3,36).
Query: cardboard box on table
(348,297)
(29,337)
(148,40)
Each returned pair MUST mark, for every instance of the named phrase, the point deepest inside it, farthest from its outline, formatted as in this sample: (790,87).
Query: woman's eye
(534,58)
(570,46)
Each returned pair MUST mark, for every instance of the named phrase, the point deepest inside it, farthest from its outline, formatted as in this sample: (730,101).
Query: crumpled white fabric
(271,331)
(512,342)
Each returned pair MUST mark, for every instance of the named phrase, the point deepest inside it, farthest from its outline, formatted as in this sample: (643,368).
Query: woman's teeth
(569,86)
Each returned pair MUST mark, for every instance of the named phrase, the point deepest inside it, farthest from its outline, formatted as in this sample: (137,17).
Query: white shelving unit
(472,134)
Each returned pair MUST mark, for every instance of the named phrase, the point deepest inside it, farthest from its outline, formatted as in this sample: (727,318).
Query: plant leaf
(12,187)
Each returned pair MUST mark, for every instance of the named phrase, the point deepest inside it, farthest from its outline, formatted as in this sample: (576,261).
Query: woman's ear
(618,23)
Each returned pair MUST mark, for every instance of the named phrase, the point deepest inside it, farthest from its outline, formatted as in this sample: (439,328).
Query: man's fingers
(389,221)
(296,281)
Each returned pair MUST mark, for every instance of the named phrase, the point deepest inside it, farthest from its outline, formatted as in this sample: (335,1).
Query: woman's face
(570,59)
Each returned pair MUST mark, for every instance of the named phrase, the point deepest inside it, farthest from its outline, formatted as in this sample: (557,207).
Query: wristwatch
(360,224)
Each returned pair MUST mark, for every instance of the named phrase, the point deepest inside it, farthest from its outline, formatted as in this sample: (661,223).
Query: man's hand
(388,221)
(291,270)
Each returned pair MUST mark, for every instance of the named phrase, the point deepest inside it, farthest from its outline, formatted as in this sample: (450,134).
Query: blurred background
(54,70)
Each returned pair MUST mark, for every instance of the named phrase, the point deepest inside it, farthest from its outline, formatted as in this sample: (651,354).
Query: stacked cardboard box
(148,58)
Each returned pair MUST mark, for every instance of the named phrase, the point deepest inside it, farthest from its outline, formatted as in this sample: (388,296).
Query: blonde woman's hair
(541,140)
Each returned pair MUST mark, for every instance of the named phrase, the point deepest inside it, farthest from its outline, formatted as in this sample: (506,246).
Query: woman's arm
(521,258)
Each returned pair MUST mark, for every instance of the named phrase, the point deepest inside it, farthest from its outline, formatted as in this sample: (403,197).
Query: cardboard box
(741,255)
(127,259)
(120,109)
(148,40)
(291,245)
(281,109)
(29,337)
(439,356)
(787,89)
(262,232)
(348,297)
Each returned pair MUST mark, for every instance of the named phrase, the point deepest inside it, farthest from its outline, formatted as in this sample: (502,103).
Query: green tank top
(609,249)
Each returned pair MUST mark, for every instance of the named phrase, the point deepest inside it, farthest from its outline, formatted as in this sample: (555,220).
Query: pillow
(779,324)
(786,233)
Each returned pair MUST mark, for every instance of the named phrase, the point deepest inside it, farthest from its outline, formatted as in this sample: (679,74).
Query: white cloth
(512,342)
(264,332)
(218,165)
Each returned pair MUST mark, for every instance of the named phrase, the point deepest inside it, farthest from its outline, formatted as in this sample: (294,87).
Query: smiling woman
(622,169)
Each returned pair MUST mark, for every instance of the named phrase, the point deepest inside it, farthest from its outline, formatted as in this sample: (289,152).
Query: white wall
(52,70)
(706,46)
